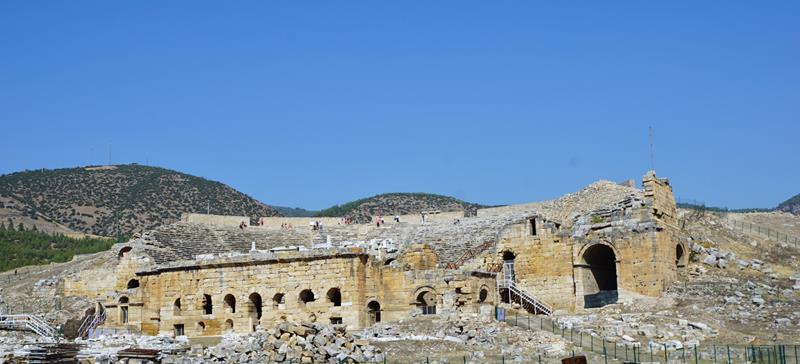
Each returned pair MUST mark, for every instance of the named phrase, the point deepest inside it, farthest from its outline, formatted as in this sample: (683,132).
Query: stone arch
(509,266)
(374,312)
(255,305)
(176,307)
(133,283)
(681,258)
(335,297)
(229,303)
(123,309)
(483,294)
(124,251)
(279,301)
(208,305)
(306,296)
(425,298)
(598,274)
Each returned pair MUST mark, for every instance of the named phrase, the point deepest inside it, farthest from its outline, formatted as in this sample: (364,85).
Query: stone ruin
(207,276)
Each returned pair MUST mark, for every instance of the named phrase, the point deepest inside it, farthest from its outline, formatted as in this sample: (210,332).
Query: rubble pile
(479,334)
(296,343)
(643,329)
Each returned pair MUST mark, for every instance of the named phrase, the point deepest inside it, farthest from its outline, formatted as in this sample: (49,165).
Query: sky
(313,103)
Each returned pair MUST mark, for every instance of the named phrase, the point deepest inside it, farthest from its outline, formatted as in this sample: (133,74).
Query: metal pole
(650,346)
(729,354)
(695,354)
(666,359)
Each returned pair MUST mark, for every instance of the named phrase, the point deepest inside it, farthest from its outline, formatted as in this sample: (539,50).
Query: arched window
(335,297)
(278,301)
(123,309)
(426,300)
(680,260)
(374,311)
(201,327)
(124,251)
(483,295)
(230,303)
(207,305)
(228,325)
(306,296)
(133,283)
(255,305)
(176,307)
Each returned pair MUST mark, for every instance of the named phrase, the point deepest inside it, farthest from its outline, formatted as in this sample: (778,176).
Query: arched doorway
(680,256)
(374,312)
(255,305)
(599,276)
(229,303)
(508,266)
(426,300)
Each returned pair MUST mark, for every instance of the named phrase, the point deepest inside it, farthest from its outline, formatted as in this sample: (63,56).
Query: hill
(116,200)
(295,211)
(791,205)
(20,247)
(396,204)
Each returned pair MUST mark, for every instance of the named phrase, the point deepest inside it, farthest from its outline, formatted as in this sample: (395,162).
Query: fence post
(650,346)
(666,358)
(695,354)
(729,354)
(591,342)
(715,354)
(626,352)
(796,360)
(605,354)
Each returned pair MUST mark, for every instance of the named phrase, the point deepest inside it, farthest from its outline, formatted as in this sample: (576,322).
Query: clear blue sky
(315,103)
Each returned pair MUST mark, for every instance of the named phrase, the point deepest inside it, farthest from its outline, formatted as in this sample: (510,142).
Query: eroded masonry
(205,275)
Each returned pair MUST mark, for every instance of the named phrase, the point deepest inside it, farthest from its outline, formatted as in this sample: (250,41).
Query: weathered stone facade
(589,249)
(608,254)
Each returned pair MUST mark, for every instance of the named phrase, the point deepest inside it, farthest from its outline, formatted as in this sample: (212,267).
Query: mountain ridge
(117,200)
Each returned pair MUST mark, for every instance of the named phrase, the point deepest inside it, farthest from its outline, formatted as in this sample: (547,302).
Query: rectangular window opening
(179,330)
(533,227)
(336,321)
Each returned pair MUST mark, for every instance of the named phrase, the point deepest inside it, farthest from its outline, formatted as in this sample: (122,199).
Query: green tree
(21,227)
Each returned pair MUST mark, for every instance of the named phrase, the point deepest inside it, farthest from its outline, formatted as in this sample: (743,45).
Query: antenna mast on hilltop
(652,158)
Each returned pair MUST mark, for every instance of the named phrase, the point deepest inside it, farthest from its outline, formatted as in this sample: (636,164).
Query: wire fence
(764,231)
(600,350)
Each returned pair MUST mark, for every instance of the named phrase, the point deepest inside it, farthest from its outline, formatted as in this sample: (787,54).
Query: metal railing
(526,300)
(90,324)
(27,322)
